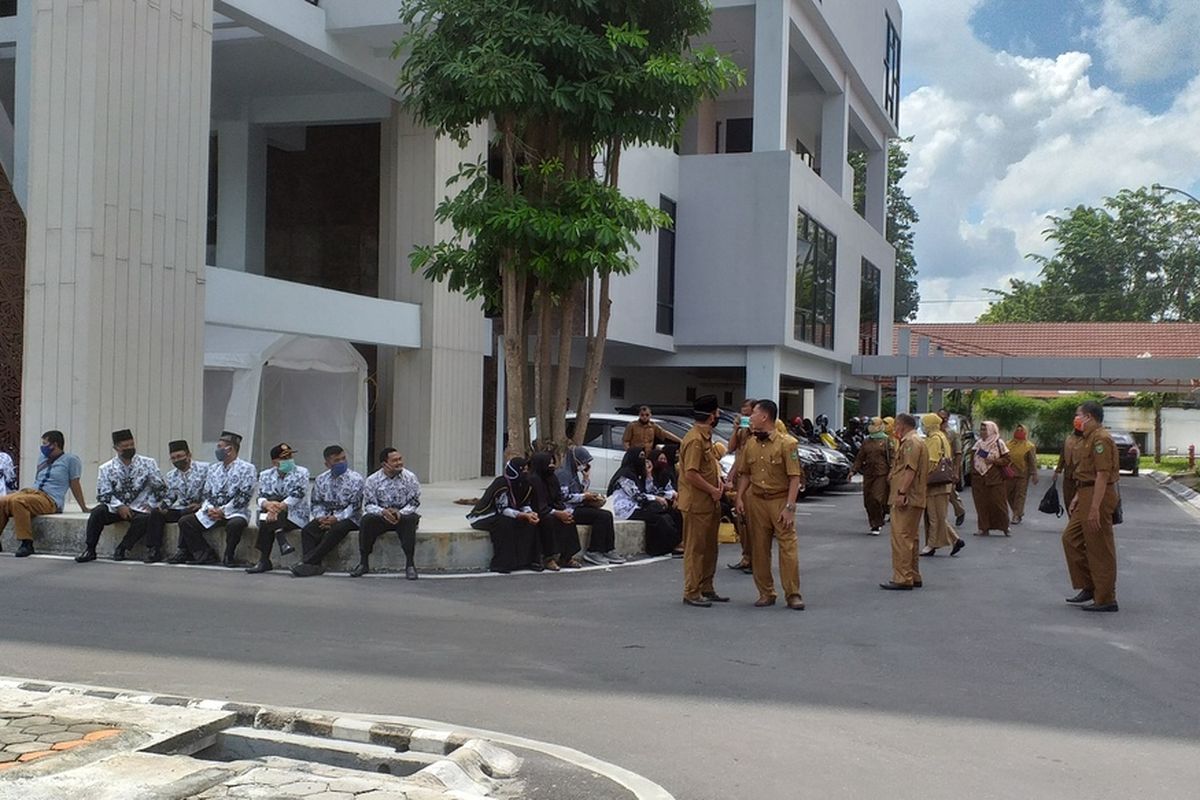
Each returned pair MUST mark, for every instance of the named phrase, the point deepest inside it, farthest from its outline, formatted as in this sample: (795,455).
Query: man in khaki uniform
(1088,539)
(910,470)
(1066,463)
(699,500)
(643,433)
(960,511)
(739,438)
(769,478)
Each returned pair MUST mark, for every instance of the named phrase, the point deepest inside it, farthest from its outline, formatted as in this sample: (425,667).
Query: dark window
(665,313)
(616,388)
(593,436)
(891,72)
(689,394)
(8,8)
(816,282)
(210,252)
(868,310)
(739,135)
(616,437)
(728,399)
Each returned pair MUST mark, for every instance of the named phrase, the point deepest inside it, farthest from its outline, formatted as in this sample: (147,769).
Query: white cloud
(1003,140)
(1146,47)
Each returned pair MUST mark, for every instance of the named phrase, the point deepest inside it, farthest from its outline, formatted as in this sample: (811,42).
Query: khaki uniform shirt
(873,459)
(696,453)
(1068,456)
(643,436)
(769,464)
(1097,453)
(911,454)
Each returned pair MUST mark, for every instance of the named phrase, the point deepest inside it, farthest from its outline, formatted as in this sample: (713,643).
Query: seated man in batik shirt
(185,492)
(225,502)
(391,496)
(337,509)
(282,504)
(129,487)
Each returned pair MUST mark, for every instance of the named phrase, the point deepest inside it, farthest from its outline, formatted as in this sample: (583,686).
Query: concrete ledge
(461,550)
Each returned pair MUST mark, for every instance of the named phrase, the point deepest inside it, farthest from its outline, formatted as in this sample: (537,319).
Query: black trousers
(101,517)
(560,540)
(191,534)
(269,532)
(317,542)
(158,524)
(663,533)
(515,544)
(604,535)
(374,526)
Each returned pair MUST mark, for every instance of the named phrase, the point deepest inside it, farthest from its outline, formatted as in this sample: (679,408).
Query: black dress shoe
(359,570)
(410,572)
(119,553)
(960,519)
(892,586)
(748,570)
(261,566)
(286,549)
(86,556)
(716,598)
(230,560)
(180,557)
(928,551)
(1106,607)
(1083,596)
(697,603)
(208,557)
(153,555)
(959,545)
(918,584)
(24,549)
(303,570)
(537,567)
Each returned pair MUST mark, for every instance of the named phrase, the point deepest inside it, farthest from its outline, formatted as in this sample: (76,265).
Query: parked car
(1128,453)
(604,439)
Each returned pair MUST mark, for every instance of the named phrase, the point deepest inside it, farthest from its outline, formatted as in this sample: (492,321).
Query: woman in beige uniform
(873,462)
(987,480)
(939,532)
(1023,460)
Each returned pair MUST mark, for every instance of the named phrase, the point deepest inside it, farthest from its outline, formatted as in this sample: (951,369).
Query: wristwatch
(790,507)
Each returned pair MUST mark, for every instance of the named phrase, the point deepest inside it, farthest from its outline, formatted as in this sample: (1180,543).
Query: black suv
(1127,451)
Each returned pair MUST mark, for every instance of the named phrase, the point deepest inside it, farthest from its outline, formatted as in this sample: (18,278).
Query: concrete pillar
(763,370)
(431,398)
(835,132)
(241,196)
(829,400)
(23,69)
(876,190)
(868,403)
(922,402)
(772,32)
(118,159)
(903,394)
(938,400)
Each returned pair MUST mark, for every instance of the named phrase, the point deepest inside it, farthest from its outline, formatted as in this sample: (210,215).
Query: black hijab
(513,483)
(545,484)
(633,466)
(568,474)
(663,473)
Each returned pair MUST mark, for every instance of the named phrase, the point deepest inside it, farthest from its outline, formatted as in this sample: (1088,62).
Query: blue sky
(1021,108)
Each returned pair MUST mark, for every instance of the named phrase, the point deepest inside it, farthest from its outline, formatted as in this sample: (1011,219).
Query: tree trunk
(512,287)
(541,369)
(562,373)
(1158,404)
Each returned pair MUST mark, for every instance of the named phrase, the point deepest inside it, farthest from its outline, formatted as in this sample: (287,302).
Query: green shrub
(1007,410)
(1053,423)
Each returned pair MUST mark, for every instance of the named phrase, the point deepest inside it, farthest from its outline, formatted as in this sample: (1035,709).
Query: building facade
(216,198)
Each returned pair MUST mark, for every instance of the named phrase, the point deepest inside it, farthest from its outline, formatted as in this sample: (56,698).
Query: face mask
(339,468)
(1019,436)
(1079,424)
(127,455)
(287,465)
(47,449)
(182,464)
(762,436)
(221,453)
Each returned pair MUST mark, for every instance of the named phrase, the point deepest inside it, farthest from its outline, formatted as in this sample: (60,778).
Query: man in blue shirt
(57,472)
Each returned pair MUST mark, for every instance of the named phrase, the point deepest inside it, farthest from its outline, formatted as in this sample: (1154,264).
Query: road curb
(407,734)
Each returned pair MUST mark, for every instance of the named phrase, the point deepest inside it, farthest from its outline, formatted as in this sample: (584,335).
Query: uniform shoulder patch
(1099,447)
(795,455)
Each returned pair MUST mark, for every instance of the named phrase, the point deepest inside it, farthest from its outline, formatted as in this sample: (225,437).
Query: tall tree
(566,84)
(901,217)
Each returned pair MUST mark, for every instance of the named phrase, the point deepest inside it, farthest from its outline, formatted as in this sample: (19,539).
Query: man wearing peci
(336,508)
(700,492)
(228,486)
(184,494)
(1088,541)
(128,489)
(56,472)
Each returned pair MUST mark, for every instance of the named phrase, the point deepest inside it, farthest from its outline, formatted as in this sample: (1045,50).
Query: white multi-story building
(209,206)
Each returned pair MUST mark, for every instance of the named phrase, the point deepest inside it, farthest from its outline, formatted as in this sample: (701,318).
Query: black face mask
(128,454)
(762,436)
(182,464)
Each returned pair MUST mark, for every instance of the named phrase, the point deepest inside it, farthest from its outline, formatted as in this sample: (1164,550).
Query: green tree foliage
(566,84)
(1054,420)
(1007,409)
(1134,259)
(901,217)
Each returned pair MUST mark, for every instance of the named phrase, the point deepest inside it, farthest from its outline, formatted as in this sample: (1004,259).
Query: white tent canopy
(274,388)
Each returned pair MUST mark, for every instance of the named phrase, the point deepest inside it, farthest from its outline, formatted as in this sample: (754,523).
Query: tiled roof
(1059,339)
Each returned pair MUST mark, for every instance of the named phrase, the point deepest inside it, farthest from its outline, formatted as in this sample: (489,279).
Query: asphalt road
(983,684)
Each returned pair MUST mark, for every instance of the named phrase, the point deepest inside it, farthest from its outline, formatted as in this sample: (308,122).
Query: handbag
(942,474)
(1050,503)
(1008,472)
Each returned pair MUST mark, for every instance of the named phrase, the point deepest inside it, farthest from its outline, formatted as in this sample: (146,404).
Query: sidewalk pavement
(63,740)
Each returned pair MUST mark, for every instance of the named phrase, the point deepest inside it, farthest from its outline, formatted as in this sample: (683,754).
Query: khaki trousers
(906,540)
(23,506)
(1092,558)
(1016,489)
(956,501)
(875,497)
(765,527)
(700,531)
(939,531)
(1068,492)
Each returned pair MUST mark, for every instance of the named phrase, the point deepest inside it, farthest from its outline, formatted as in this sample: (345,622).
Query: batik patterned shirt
(185,488)
(8,474)
(229,488)
(290,489)
(340,497)
(137,484)
(402,492)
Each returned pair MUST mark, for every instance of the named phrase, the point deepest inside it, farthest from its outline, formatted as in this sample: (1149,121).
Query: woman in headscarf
(1024,467)
(939,532)
(560,537)
(630,501)
(987,480)
(506,513)
(873,462)
(574,478)
(663,475)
